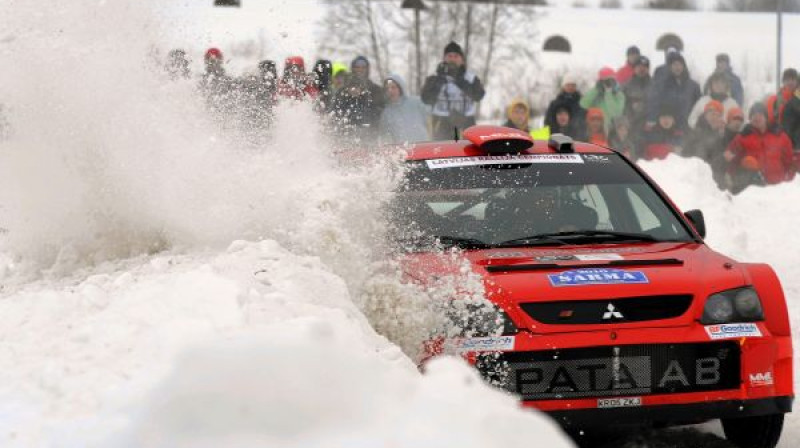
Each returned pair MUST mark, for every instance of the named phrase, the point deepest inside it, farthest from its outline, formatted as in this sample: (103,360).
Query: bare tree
(611,4)
(490,34)
(757,5)
(672,4)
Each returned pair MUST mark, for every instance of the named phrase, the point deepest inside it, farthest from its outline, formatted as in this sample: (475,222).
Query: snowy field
(163,284)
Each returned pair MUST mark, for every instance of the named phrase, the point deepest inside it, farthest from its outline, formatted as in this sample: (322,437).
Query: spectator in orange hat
(720,91)
(606,95)
(595,127)
(706,140)
(734,122)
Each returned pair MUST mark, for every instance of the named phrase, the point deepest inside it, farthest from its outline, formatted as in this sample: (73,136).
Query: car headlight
(733,305)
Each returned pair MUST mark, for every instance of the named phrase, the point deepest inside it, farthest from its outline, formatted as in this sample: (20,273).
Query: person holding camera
(453,92)
(606,95)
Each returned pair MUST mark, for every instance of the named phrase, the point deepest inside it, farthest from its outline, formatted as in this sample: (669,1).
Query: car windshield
(575,199)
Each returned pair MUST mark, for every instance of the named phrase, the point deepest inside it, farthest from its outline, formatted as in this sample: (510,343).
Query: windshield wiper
(595,235)
(533,240)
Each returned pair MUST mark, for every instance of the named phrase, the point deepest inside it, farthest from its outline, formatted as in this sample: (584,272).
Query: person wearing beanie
(215,84)
(595,127)
(734,122)
(565,123)
(295,84)
(663,70)
(665,137)
(358,105)
(625,73)
(621,139)
(723,68)
(636,96)
(776,103)
(453,92)
(405,118)
(791,121)
(720,92)
(518,115)
(707,140)
(177,65)
(767,144)
(677,88)
(605,95)
(569,97)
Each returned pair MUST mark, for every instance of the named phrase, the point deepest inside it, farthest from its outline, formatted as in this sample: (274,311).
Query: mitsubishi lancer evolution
(612,311)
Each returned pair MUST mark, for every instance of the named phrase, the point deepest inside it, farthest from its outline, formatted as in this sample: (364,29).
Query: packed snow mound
(758,225)
(255,346)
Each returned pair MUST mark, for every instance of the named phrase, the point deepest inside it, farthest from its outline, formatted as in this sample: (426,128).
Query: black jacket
(570,101)
(681,92)
(358,104)
(791,120)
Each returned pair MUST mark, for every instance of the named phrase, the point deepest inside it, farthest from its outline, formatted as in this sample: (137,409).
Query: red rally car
(611,310)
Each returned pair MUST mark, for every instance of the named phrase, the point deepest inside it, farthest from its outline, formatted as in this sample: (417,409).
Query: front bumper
(764,385)
(669,415)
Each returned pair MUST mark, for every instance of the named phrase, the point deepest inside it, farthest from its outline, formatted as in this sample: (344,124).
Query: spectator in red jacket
(768,145)
(776,103)
(295,83)
(625,73)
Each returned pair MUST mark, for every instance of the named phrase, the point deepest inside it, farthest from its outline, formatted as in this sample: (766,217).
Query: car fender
(768,286)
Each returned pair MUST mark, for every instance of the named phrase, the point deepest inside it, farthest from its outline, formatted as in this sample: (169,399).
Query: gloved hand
(600,86)
(441,69)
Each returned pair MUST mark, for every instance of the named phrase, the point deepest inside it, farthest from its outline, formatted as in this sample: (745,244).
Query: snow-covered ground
(165,284)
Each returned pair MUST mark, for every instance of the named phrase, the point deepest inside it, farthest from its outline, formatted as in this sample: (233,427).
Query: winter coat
(703,141)
(611,101)
(296,89)
(682,92)
(569,101)
(358,104)
(737,91)
(776,104)
(624,74)
(570,130)
(772,149)
(514,104)
(636,90)
(791,120)
(454,99)
(405,120)
(629,146)
(699,107)
(660,142)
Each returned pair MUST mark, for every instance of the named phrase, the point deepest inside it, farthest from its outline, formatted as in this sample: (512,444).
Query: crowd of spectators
(650,116)
(645,114)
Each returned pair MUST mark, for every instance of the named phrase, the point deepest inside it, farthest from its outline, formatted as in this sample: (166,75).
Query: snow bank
(252,347)
(759,225)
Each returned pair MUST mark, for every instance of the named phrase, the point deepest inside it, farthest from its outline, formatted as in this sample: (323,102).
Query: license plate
(615,372)
(619,402)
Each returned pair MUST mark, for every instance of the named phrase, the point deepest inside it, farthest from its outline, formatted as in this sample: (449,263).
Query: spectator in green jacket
(606,95)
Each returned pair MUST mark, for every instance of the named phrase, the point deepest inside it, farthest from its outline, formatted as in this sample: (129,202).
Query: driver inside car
(537,210)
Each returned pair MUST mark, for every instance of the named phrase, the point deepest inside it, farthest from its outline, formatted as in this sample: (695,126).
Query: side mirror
(697,220)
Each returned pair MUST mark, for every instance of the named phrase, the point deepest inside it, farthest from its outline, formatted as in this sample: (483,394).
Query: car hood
(515,276)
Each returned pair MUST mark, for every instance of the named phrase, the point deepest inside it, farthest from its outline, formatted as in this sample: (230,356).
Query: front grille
(628,370)
(631,309)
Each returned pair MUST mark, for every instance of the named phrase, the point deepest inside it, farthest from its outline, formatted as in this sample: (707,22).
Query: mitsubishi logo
(612,313)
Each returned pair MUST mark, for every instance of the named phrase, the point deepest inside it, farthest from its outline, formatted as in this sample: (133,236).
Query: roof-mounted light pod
(561,143)
(498,139)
